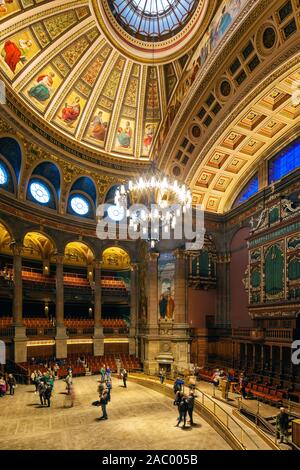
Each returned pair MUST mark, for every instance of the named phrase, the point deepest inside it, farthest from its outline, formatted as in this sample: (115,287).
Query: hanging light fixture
(162,199)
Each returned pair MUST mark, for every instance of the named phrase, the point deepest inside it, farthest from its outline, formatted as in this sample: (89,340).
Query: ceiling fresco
(61,59)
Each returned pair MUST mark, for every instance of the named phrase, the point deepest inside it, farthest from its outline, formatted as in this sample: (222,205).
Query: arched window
(11,151)
(248,191)
(283,163)
(82,198)
(40,192)
(7,179)
(80,205)
(3,175)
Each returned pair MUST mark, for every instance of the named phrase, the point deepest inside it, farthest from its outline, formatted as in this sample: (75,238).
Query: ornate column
(151,340)
(98,329)
(180,313)
(152,291)
(20,339)
(223,290)
(133,309)
(181,342)
(61,337)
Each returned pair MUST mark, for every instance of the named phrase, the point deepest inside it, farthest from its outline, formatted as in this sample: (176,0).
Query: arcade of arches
(93,95)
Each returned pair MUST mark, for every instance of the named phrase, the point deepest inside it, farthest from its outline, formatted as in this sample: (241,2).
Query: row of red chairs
(265,393)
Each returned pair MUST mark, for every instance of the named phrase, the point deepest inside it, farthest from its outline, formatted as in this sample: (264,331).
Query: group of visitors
(44,384)
(185,402)
(7,383)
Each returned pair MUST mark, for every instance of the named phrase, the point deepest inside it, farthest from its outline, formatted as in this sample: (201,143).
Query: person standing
(103,403)
(47,394)
(282,424)
(162,375)
(190,406)
(41,390)
(109,387)
(182,412)
(103,373)
(12,384)
(124,377)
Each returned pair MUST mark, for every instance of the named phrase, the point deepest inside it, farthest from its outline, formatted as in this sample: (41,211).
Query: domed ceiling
(100,72)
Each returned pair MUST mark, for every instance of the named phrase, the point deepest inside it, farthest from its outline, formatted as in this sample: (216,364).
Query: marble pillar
(98,340)
(133,310)
(20,339)
(61,336)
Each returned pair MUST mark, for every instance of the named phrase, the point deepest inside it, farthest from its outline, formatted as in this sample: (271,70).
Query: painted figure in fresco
(224,22)
(170,305)
(71,111)
(99,128)
(148,137)
(163,304)
(125,135)
(14,54)
(3,8)
(43,88)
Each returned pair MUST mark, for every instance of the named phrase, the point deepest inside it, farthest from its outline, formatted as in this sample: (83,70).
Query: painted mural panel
(41,90)
(149,132)
(8,7)
(17,51)
(98,128)
(125,136)
(70,111)
(166,286)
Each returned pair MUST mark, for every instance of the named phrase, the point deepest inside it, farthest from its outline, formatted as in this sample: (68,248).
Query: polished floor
(139,418)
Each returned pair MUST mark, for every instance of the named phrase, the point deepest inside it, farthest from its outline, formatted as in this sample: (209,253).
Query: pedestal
(20,344)
(98,341)
(61,347)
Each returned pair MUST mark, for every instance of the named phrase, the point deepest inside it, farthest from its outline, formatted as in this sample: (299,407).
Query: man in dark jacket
(103,403)
(47,394)
(190,406)
(282,424)
(182,407)
(41,390)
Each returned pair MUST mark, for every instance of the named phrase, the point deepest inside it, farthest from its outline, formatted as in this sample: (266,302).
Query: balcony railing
(49,332)
(258,334)
(6,332)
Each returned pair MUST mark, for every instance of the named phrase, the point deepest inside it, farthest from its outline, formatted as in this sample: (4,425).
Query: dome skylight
(152,19)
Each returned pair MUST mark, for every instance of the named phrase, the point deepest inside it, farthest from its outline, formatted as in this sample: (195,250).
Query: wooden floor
(139,418)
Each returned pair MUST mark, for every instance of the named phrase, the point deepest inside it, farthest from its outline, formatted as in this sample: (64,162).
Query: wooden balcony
(282,335)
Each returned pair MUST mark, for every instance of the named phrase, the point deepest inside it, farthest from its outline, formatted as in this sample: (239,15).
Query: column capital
(152,256)
(60,258)
(97,263)
(179,253)
(134,267)
(16,247)
(223,258)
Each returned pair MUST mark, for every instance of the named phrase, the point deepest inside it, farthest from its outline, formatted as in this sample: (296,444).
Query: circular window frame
(259,39)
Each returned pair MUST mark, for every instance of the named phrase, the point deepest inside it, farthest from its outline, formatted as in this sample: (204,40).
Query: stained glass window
(152,19)
(249,190)
(40,192)
(284,162)
(80,205)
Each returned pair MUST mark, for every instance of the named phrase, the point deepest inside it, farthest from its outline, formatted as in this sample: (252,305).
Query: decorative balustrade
(273,334)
